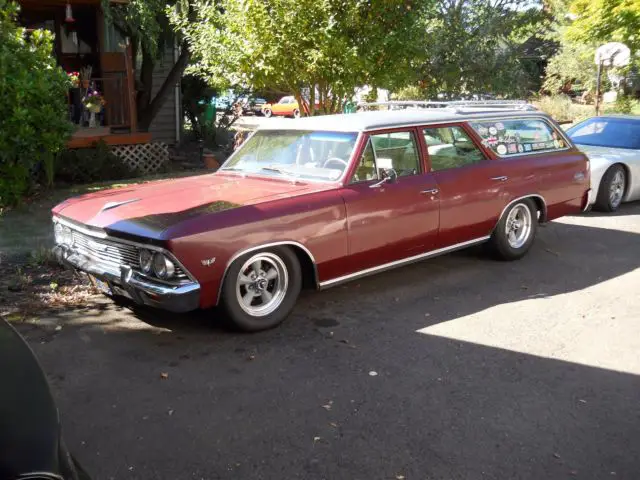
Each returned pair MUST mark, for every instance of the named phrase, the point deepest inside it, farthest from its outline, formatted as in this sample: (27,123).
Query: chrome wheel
(616,188)
(262,284)
(518,225)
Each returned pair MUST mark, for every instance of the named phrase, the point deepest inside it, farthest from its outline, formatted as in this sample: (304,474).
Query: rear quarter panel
(563,181)
(316,220)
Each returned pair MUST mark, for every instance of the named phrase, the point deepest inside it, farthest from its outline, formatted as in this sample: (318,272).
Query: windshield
(607,132)
(294,153)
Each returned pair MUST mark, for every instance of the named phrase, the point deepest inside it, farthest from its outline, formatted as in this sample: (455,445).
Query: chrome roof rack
(457,105)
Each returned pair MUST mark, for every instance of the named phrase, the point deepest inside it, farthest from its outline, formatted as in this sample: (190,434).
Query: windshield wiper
(279,170)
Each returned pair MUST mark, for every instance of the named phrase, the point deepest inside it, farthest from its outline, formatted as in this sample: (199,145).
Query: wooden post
(598,86)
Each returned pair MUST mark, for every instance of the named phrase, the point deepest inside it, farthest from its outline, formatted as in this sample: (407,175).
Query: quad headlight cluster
(62,234)
(156,263)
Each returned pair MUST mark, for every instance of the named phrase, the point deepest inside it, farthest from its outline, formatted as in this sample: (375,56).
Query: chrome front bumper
(130,284)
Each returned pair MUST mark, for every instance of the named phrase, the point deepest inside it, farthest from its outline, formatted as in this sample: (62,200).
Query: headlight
(58,233)
(162,266)
(62,234)
(146,261)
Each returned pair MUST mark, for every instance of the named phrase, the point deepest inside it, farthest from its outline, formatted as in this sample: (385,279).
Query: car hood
(608,155)
(147,210)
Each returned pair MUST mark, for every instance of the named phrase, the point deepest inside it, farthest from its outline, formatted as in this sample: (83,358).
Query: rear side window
(511,137)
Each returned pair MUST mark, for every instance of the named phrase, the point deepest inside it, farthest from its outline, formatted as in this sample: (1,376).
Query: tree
(480,46)
(146,24)
(311,48)
(606,21)
(34,123)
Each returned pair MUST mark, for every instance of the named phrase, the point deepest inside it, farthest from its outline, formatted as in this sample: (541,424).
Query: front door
(395,219)
(470,185)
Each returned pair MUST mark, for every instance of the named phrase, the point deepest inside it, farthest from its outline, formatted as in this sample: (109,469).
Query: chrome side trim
(103,236)
(267,245)
(400,263)
(543,214)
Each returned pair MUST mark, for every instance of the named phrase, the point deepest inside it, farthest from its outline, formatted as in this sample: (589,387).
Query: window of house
(450,147)
(512,137)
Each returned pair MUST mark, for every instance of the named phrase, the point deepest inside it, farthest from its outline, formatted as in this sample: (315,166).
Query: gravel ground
(454,368)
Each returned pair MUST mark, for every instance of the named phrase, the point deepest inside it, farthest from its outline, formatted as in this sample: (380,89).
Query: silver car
(612,143)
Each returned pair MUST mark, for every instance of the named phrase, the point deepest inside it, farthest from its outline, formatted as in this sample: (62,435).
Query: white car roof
(374,120)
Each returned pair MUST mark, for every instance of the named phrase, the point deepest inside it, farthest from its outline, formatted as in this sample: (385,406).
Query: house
(86,41)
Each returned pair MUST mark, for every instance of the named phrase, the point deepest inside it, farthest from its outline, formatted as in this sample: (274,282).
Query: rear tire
(261,288)
(296,113)
(516,231)
(612,188)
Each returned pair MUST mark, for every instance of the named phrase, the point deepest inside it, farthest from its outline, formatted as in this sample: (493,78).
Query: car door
(470,184)
(278,108)
(390,219)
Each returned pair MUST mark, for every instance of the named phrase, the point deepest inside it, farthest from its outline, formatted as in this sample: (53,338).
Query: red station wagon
(319,201)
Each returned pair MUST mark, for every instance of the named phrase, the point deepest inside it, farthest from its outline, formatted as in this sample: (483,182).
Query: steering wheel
(342,163)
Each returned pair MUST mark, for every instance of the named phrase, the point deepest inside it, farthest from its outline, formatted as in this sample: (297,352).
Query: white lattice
(144,157)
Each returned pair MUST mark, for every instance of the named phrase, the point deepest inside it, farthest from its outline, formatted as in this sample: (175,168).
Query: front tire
(612,189)
(261,288)
(267,112)
(516,230)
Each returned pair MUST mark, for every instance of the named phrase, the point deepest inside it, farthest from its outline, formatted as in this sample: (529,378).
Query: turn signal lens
(146,261)
(163,267)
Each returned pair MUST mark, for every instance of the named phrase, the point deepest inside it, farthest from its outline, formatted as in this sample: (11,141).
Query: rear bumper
(132,285)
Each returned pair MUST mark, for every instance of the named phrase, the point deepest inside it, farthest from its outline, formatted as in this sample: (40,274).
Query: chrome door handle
(431,191)
(500,179)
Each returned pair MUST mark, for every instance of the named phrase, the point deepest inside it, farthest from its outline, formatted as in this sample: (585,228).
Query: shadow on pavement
(302,401)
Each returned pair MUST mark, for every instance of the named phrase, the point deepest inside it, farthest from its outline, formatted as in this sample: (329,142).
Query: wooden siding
(163,127)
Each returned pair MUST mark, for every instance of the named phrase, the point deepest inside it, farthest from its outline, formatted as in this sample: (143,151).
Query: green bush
(563,109)
(34,122)
(87,165)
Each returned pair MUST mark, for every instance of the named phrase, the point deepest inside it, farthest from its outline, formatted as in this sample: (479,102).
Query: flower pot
(210,161)
(85,83)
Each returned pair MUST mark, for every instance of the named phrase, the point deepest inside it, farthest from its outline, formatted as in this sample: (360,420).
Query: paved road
(455,368)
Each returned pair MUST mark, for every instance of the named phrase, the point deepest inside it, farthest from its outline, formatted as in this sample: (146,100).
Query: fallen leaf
(58,328)
(164,375)
(552,252)
(327,406)
(427,314)
(556,455)
(582,401)
(373,374)
(251,357)
(170,412)
(316,439)
(399,477)
(333,424)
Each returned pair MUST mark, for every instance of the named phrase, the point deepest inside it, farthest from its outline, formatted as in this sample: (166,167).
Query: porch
(98,60)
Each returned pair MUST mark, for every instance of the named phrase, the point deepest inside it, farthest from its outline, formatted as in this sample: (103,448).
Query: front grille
(113,254)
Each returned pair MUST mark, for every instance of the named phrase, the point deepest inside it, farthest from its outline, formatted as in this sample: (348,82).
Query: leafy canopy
(606,21)
(305,46)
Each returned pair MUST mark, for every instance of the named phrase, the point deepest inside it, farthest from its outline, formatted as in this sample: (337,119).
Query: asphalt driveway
(454,368)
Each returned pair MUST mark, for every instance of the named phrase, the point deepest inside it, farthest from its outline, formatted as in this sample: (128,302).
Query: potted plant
(93,102)
(75,97)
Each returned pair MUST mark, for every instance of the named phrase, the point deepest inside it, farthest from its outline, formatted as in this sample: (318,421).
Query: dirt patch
(28,290)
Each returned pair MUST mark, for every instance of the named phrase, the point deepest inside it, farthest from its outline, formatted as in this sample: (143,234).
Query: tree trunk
(146,79)
(148,111)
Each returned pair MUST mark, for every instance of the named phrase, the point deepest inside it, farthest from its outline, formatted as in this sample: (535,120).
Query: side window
(366,166)
(396,150)
(450,147)
(513,137)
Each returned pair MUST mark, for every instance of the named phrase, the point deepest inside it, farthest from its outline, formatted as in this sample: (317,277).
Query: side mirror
(388,175)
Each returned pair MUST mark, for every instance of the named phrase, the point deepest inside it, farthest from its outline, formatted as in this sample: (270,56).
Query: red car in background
(324,200)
